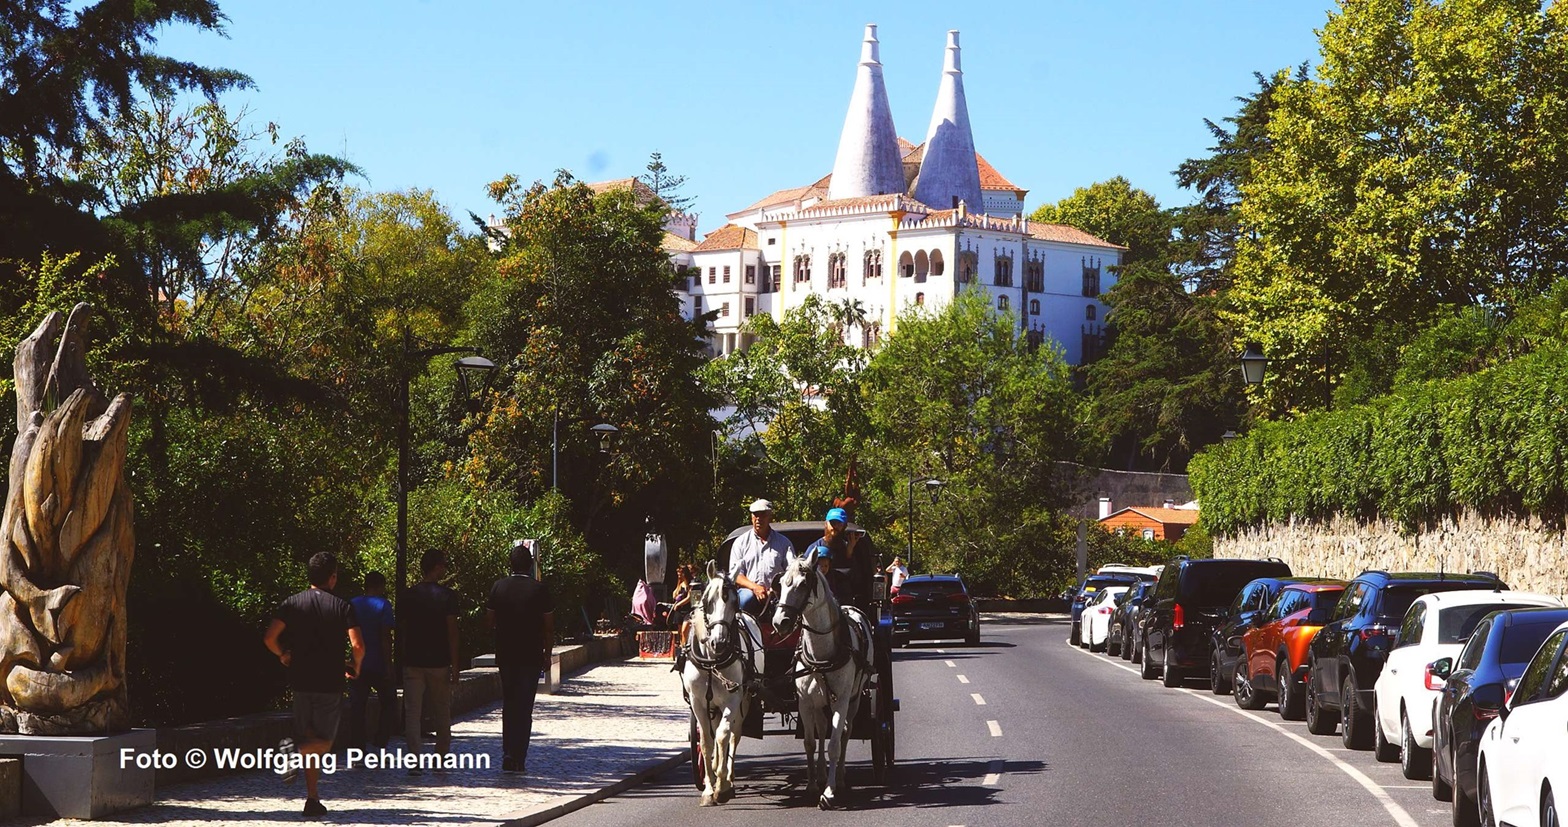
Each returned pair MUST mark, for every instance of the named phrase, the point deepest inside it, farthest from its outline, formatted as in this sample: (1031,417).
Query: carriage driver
(757,557)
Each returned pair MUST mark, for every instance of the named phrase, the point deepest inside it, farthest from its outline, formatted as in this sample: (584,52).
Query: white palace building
(897,224)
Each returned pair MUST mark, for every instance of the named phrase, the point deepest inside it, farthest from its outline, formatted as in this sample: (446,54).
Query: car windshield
(1522,637)
(1327,598)
(931,588)
(1397,598)
(1215,586)
(1455,623)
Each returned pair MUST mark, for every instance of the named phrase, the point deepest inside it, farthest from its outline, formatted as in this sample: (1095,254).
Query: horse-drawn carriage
(787,657)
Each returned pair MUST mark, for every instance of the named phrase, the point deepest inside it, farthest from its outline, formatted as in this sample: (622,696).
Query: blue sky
(741,98)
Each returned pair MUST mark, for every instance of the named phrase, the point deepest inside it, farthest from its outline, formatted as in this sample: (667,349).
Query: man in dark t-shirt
(429,635)
(306,635)
(520,609)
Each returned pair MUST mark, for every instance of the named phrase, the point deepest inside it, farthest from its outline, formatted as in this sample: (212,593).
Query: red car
(1274,653)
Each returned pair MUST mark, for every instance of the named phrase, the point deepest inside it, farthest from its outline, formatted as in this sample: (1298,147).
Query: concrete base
(81,777)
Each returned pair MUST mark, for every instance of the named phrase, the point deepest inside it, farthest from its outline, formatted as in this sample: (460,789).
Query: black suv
(1090,587)
(1189,602)
(1348,654)
(934,607)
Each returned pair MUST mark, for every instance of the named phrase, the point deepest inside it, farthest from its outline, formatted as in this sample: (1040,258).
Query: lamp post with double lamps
(474,373)
(933,488)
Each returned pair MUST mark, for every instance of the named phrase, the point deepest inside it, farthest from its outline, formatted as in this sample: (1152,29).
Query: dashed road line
(979,701)
(962,679)
(1402,818)
(995,727)
(993,775)
(951,664)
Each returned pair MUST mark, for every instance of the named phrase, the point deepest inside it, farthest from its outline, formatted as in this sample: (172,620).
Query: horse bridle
(793,611)
(720,658)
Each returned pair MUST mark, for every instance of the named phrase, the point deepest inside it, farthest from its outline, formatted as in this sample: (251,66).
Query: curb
(549,812)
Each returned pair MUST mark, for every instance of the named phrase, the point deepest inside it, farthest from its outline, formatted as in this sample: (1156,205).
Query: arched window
(1088,313)
(968,265)
(1002,303)
(802,268)
(906,265)
(937,267)
(920,298)
(1034,307)
(838,276)
(873,266)
(922,265)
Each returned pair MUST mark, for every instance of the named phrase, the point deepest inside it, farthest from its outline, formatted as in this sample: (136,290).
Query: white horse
(832,664)
(722,642)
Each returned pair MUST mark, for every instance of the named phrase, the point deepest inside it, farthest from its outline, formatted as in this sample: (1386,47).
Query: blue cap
(837,515)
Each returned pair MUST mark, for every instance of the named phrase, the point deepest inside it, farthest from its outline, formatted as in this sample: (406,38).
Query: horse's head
(715,616)
(797,589)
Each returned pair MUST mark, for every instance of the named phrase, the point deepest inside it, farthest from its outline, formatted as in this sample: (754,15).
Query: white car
(1435,626)
(1122,568)
(1096,619)
(1523,765)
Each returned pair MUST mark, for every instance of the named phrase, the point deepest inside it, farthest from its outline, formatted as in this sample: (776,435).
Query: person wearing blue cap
(836,551)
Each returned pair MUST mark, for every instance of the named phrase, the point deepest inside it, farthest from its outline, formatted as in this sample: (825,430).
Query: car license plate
(932,625)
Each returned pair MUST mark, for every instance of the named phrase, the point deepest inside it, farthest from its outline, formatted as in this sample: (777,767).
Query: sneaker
(291,771)
(313,808)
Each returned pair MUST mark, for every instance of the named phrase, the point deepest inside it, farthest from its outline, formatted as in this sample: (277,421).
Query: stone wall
(1528,556)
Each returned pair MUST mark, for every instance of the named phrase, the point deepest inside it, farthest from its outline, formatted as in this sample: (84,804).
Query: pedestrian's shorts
(316,715)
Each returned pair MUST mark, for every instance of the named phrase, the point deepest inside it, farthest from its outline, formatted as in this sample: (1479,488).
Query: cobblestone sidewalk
(604,726)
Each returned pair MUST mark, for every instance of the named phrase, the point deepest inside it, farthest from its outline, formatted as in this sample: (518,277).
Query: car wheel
(1441,790)
(1247,695)
(1113,645)
(1127,645)
(1218,684)
(1382,749)
(1170,676)
(1320,721)
(1465,811)
(1077,633)
(1145,663)
(1483,799)
(973,638)
(1355,726)
(1289,692)
(1549,810)
(1137,650)
(1414,761)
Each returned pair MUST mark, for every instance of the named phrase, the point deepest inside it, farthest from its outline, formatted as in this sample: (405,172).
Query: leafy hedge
(1492,442)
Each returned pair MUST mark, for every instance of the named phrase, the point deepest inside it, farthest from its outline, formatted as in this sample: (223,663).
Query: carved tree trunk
(66,543)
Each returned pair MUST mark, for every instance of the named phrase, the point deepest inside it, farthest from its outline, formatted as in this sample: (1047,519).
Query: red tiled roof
(777,198)
(904,148)
(728,237)
(1068,235)
(676,243)
(990,179)
(643,192)
(1167,516)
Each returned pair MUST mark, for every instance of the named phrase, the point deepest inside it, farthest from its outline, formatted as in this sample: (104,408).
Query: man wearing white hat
(757,557)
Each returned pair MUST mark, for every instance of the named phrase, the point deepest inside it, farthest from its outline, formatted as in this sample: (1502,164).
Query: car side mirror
(1441,668)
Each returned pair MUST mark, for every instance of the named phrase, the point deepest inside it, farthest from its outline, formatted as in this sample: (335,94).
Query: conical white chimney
(868,161)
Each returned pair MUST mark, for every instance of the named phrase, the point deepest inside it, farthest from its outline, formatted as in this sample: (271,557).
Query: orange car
(1274,652)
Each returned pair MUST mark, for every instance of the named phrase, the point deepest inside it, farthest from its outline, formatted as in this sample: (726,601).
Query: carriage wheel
(882,737)
(696,755)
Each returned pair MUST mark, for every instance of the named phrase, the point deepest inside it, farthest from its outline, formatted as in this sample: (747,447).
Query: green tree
(667,185)
(959,394)
(1423,168)
(1117,212)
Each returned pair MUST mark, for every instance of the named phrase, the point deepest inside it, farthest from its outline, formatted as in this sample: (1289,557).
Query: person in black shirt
(306,634)
(430,669)
(520,610)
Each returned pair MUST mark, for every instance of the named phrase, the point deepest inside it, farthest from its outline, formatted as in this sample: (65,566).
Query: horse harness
(844,649)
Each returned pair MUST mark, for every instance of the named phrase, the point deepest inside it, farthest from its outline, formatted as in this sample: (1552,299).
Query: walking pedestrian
(306,635)
(900,573)
(521,611)
(374,613)
(430,667)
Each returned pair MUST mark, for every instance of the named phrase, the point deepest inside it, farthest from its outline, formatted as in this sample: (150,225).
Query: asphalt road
(1026,730)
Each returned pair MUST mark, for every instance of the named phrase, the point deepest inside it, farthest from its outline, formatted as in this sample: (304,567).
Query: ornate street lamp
(1253,363)
(1229,437)
(607,436)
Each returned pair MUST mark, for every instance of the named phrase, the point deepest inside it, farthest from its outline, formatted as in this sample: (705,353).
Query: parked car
(1523,763)
(1435,626)
(1274,651)
(1189,601)
(1124,621)
(1245,612)
(934,607)
(1477,680)
(1085,593)
(1097,617)
(1347,655)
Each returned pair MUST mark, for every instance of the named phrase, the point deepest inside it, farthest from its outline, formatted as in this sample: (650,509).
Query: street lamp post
(1253,363)
(934,488)
(474,373)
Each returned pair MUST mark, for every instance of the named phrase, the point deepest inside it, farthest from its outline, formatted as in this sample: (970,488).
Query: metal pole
(555,461)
